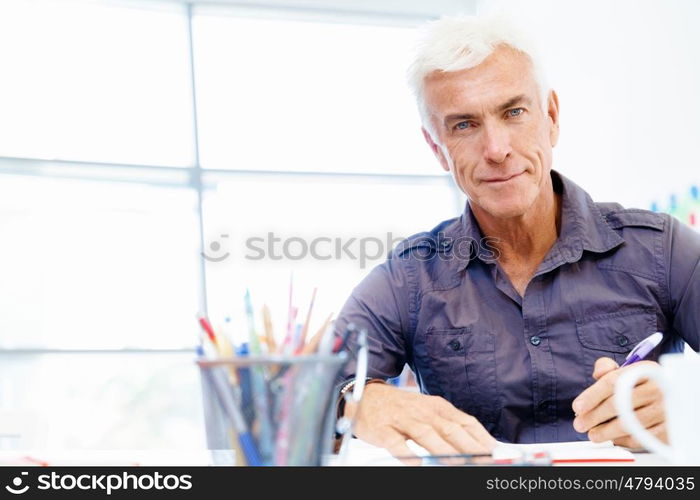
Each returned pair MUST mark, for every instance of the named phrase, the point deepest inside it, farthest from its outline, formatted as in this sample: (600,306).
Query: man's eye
(516,112)
(462,125)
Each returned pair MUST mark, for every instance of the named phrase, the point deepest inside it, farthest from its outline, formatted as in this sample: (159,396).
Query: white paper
(576,452)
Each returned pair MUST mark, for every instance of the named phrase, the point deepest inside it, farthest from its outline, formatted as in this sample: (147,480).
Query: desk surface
(360,453)
(106,457)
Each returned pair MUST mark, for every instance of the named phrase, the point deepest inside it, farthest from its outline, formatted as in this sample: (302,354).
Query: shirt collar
(582,228)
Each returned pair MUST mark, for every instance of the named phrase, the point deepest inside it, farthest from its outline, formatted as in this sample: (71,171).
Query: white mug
(679,380)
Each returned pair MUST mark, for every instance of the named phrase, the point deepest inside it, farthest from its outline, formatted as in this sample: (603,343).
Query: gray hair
(462,42)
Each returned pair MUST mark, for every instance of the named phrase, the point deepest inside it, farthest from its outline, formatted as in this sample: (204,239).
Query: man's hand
(595,409)
(389,416)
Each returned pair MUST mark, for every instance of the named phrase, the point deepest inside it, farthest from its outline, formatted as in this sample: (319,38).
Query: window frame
(195,176)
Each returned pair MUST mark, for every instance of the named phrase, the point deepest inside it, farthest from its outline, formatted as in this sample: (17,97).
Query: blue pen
(246,391)
(643,349)
(219,381)
(259,386)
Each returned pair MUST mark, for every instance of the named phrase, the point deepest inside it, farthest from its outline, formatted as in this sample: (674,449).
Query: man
(515,316)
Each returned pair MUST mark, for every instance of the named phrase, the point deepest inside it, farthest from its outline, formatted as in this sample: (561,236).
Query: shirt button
(622,341)
(455,345)
(535,340)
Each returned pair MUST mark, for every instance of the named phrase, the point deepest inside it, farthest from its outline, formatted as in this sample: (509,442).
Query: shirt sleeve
(380,304)
(684,282)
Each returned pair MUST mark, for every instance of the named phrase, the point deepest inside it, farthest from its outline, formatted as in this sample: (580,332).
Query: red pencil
(206,326)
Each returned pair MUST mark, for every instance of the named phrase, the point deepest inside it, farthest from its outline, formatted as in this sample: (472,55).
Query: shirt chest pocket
(614,336)
(463,367)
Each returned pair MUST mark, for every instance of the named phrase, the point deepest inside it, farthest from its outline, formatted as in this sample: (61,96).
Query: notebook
(573,452)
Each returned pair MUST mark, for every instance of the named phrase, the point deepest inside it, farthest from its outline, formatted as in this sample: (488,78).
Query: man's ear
(436,149)
(553,113)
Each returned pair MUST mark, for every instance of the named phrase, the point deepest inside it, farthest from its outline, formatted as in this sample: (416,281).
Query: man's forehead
(502,75)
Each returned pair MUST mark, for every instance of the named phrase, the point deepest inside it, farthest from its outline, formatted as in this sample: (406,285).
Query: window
(88,81)
(113,192)
(329,231)
(87,263)
(306,96)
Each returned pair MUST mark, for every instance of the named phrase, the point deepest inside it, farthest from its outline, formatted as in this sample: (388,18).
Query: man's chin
(501,210)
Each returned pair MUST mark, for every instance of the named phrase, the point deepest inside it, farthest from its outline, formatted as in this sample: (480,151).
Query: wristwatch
(340,405)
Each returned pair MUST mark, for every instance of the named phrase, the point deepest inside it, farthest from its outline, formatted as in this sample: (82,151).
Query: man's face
(496,139)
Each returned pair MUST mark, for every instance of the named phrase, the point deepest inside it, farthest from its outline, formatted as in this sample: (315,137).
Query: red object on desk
(592,460)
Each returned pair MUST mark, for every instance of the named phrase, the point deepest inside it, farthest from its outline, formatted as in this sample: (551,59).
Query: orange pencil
(269,332)
(314,341)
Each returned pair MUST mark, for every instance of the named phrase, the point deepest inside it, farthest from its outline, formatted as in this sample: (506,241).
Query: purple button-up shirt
(442,304)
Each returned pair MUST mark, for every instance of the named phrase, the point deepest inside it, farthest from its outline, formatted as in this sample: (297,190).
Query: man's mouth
(501,179)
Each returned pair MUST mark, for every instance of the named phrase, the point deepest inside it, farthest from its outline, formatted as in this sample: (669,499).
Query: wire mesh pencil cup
(270,410)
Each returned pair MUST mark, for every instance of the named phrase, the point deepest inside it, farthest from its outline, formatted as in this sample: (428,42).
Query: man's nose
(496,143)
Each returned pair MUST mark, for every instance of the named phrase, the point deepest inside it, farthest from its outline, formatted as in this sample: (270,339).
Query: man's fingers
(428,437)
(649,416)
(388,416)
(658,431)
(471,425)
(395,443)
(604,373)
(459,437)
(603,366)
(600,390)
(642,395)
(597,416)
(594,395)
